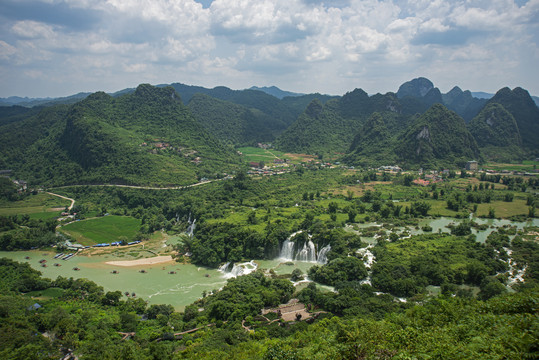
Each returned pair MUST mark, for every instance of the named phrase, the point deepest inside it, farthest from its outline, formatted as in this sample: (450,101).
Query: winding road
(64,197)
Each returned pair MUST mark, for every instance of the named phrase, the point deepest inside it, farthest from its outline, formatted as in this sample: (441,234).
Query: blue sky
(61,47)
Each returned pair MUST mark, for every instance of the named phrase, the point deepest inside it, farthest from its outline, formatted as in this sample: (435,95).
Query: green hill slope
(232,123)
(147,137)
(496,133)
(438,137)
(373,145)
(520,104)
(332,127)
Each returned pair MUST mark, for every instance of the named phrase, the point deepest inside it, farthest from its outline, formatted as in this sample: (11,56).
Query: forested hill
(520,104)
(254,99)
(497,133)
(232,123)
(438,137)
(146,137)
(331,127)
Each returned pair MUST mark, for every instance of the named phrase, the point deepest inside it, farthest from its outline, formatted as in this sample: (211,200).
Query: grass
(504,209)
(105,229)
(252,154)
(46,294)
(526,165)
(40,206)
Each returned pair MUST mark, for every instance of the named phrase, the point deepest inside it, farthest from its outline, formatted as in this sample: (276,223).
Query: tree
(296,275)
(352,213)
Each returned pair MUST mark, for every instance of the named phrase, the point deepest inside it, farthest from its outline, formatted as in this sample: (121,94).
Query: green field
(252,154)
(105,229)
(46,294)
(527,165)
(40,206)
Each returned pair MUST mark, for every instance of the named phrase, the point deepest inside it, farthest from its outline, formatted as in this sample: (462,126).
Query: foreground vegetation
(436,294)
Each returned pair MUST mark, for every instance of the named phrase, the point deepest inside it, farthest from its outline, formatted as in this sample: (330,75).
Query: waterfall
(191,227)
(291,252)
(287,250)
(322,254)
(224,267)
(307,253)
(238,269)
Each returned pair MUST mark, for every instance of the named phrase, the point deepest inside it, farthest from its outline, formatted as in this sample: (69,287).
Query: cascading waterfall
(306,253)
(323,254)
(191,227)
(224,267)
(287,250)
(238,269)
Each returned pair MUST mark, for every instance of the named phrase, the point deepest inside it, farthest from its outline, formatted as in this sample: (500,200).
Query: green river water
(157,286)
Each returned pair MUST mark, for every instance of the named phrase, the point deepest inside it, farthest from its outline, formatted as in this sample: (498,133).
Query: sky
(51,48)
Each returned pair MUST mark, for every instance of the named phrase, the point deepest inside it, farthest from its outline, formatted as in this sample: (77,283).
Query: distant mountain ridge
(275,91)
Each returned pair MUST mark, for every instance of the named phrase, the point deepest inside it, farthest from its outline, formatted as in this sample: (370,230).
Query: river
(158,286)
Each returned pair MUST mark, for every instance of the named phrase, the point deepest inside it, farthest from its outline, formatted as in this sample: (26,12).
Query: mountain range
(177,134)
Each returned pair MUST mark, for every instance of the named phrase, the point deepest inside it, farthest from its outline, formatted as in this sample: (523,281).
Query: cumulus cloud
(301,45)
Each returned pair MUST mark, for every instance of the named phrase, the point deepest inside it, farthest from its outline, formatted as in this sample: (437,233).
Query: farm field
(40,206)
(526,165)
(105,229)
(253,154)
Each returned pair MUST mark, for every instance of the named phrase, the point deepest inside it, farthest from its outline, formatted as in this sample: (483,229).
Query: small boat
(56,264)
(115,272)
(76,269)
(142,271)
(27,257)
(43,265)
(133,295)
(172,272)
(58,255)
(207,275)
(42,261)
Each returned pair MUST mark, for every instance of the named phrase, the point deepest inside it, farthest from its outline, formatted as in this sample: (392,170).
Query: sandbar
(145,261)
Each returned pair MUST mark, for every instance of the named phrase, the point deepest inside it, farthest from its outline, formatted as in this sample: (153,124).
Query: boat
(56,264)
(172,272)
(58,255)
(142,271)
(76,269)
(42,261)
(115,272)
(43,265)
(27,257)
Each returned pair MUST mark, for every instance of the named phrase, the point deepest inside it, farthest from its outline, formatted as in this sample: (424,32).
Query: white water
(238,269)
(306,253)
(516,275)
(191,227)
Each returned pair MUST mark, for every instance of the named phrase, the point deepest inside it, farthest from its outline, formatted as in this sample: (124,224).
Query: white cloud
(32,30)
(305,45)
(6,50)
